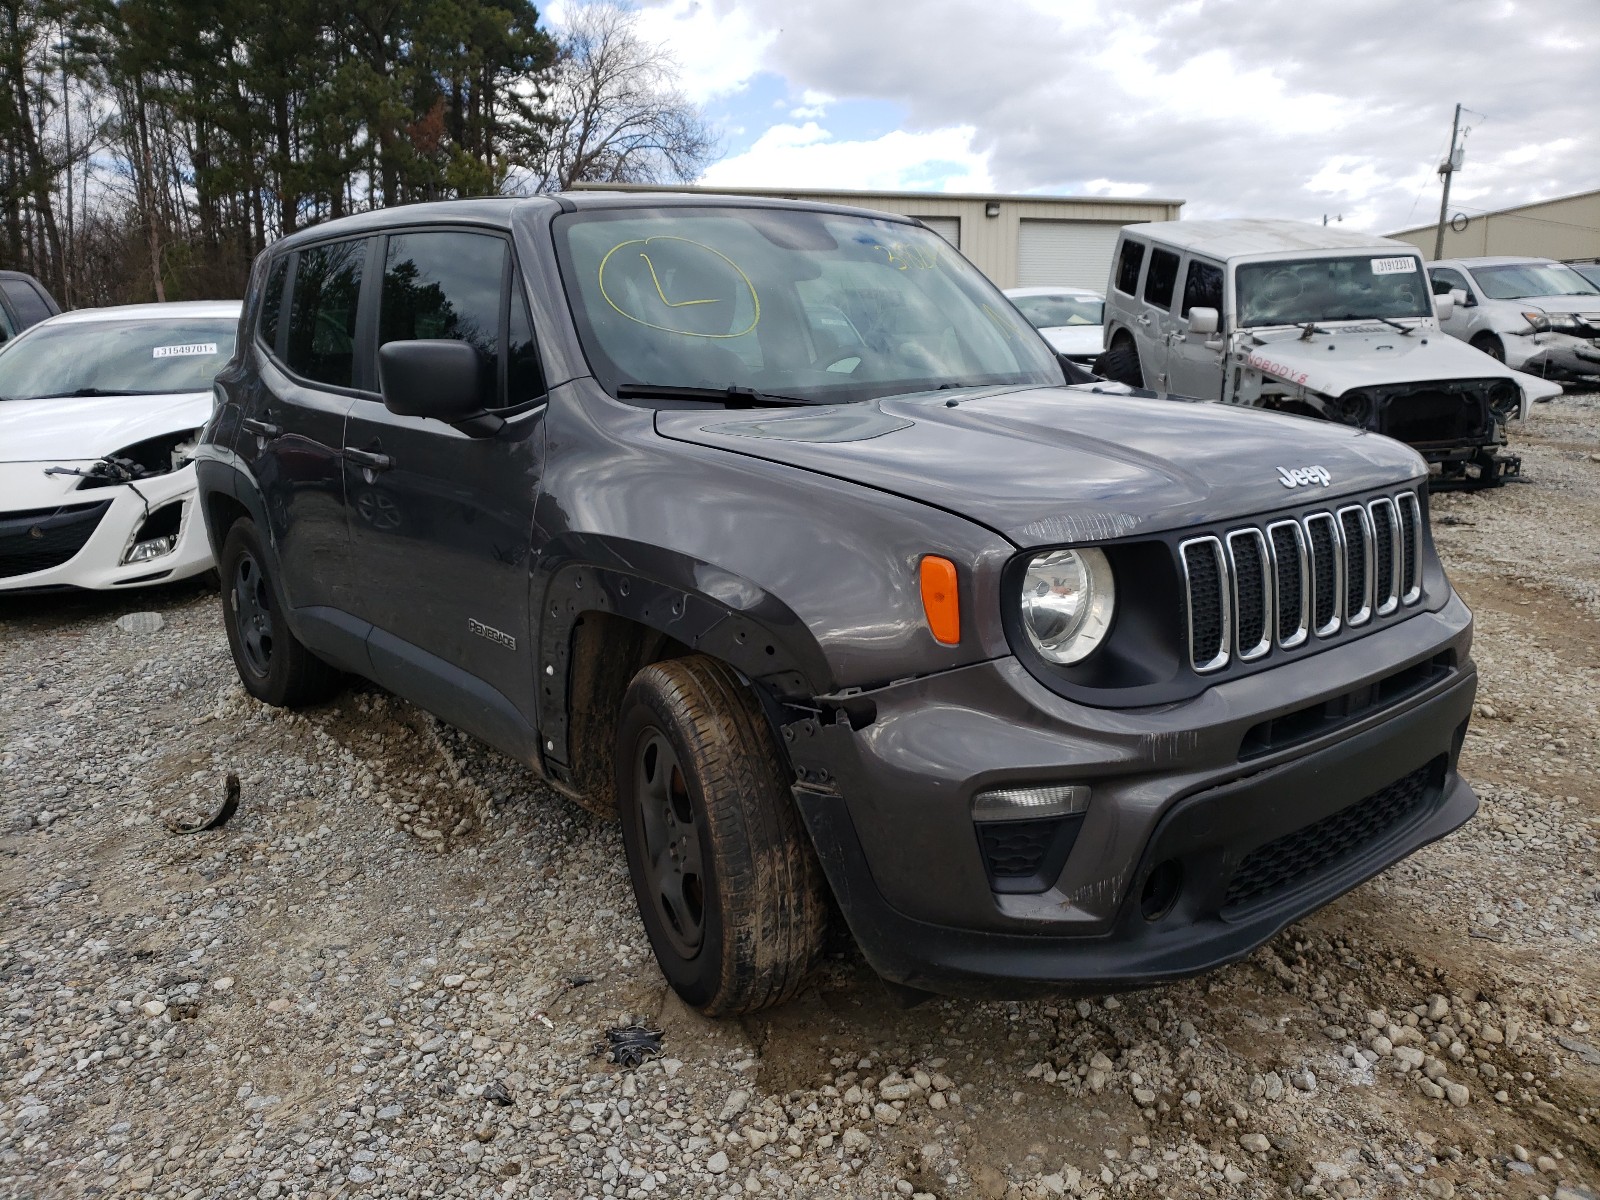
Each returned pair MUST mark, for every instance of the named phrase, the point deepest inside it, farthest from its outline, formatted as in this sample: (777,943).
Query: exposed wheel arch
(1491,345)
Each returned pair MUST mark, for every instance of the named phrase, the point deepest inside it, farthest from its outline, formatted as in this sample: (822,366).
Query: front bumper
(56,540)
(888,807)
(1552,354)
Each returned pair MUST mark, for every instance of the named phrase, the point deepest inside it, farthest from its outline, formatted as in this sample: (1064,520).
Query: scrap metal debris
(630,1045)
(496,1093)
(229,805)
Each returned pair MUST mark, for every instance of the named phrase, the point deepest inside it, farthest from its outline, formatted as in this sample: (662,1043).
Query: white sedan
(99,412)
(1070,319)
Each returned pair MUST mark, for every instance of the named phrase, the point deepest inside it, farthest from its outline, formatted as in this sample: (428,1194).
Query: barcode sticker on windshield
(182,351)
(1394,266)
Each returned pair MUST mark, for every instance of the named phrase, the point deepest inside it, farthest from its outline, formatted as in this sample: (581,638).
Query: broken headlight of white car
(1544,322)
(157,534)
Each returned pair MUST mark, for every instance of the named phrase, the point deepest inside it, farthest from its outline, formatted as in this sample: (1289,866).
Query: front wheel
(728,887)
(1490,345)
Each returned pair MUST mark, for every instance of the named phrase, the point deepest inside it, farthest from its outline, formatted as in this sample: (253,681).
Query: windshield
(1295,291)
(814,306)
(1059,309)
(1590,271)
(116,357)
(1518,280)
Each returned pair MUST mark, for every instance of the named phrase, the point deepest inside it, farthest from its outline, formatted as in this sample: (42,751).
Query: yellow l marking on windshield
(657,281)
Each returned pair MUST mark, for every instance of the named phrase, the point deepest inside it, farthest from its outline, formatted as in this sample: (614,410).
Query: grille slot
(40,539)
(1325,843)
(1327,575)
(1357,535)
(1291,568)
(1386,564)
(1253,589)
(1204,573)
(1410,541)
(1252,593)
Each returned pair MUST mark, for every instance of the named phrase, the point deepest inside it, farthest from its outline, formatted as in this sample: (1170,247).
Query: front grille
(1306,852)
(1434,414)
(40,539)
(1299,579)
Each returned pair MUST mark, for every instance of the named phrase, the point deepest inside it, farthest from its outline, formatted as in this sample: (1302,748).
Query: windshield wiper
(733,395)
(91,392)
(1408,330)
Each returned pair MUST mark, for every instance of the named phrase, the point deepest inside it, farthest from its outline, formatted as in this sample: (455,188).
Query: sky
(1285,108)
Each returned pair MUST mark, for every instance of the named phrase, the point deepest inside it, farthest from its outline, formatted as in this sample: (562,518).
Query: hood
(1358,356)
(1588,305)
(86,428)
(1075,339)
(1056,465)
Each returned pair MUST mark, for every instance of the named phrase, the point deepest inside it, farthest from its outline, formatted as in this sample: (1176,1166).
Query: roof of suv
(498,210)
(1499,260)
(1235,237)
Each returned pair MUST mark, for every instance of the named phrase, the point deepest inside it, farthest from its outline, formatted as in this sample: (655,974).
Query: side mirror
(441,379)
(1203,320)
(1444,305)
(1462,297)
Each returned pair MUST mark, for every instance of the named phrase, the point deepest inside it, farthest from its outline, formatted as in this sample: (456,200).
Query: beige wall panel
(1564,228)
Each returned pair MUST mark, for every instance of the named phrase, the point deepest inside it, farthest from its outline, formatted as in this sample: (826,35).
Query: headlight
(1552,322)
(1067,600)
(1505,398)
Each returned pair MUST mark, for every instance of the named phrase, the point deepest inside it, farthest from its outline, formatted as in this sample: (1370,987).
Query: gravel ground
(386,975)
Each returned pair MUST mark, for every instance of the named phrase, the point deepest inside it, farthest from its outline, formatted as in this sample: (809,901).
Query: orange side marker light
(941,602)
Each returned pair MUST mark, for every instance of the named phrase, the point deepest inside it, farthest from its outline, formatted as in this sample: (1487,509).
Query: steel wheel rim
(667,820)
(252,614)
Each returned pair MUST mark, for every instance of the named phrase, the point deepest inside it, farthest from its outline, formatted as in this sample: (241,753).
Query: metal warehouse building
(1567,227)
(1017,241)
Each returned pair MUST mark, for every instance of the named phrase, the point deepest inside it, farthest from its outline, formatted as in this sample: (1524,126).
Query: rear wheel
(1121,363)
(1490,345)
(272,663)
(728,887)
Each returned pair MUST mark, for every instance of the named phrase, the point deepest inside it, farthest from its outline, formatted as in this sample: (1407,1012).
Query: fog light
(1030,803)
(154,548)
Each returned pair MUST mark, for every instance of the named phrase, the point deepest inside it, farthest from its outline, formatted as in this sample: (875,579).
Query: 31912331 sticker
(1405,265)
(185,351)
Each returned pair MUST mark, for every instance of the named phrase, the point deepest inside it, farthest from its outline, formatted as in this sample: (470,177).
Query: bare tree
(616,113)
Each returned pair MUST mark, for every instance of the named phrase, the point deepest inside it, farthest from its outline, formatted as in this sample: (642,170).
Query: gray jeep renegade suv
(773,529)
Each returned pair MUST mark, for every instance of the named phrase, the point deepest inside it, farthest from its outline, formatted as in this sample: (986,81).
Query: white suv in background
(1319,322)
(1530,313)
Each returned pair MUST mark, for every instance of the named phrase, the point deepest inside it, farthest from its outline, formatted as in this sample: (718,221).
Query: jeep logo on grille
(491,633)
(1293,477)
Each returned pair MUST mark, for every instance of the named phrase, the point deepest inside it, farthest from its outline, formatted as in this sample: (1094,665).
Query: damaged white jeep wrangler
(1315,321)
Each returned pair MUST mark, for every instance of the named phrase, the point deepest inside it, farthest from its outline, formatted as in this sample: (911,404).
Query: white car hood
(1075,339)
(86,428)
(1334,362)
(1556,304)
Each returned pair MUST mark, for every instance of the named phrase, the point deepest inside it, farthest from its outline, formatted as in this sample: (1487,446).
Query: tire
(1490,345)
(727,883)
(272,663)
(1121,363)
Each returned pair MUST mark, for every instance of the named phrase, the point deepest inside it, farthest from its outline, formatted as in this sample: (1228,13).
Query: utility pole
(1446,169)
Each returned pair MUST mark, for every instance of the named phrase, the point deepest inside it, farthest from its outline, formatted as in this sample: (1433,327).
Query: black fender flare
(700,605)
(219,475)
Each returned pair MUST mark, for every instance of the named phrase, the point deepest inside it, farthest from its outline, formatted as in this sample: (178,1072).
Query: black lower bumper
(1251,855)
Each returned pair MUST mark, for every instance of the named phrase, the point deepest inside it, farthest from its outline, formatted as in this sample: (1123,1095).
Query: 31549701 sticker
(1404,265)
(192,348)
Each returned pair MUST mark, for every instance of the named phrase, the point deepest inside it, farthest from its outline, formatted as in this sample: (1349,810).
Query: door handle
(1142,319)
(261,428)
(368,459)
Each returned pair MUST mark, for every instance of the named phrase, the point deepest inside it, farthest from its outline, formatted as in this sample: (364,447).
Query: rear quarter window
(1128,264)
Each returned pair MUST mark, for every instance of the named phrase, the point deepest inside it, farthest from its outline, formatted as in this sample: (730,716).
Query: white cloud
(808,156)
(718,44)
(1242,107)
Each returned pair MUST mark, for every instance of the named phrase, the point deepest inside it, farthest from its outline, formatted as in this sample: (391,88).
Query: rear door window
(322,313)
(1128,264)
(1161,278)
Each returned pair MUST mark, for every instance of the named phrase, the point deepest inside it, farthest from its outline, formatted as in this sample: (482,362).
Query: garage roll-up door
(1069,253)
(949,228)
